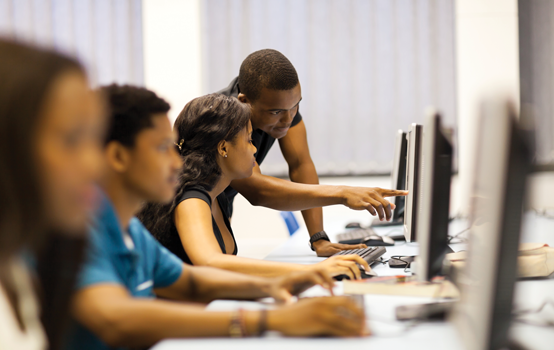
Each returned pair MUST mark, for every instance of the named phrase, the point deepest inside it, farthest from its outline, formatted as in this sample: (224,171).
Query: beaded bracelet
(237,328)
(262,322)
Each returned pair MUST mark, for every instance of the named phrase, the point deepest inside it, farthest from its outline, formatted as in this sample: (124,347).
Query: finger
(365,265)
(393,193)
(328,281)
(353,267)
(370,209)
(328,251)
(317,278)
(348,323)
(345,327)
(386,205)
(352,307)
(345,270)
(358,259)
(349,246)
(282,296)
(378,207)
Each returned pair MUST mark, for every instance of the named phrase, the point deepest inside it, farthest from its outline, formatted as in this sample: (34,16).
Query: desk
(388,333)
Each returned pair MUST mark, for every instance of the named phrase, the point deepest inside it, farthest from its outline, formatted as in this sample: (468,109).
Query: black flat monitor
(413,179)
(398,177)
(434,202)
(484,312)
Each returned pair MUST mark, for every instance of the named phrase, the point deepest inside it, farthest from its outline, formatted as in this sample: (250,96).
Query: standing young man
(126,268)
(269,83)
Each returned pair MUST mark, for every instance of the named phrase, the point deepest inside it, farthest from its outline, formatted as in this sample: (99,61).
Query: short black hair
(268,69)
(131,109)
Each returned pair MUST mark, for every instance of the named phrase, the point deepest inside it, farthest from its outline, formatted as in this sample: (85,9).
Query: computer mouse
(369,274)
(378,241)
(353,225)
(364,275)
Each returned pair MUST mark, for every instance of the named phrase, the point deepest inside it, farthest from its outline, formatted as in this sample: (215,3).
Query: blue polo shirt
(109,261)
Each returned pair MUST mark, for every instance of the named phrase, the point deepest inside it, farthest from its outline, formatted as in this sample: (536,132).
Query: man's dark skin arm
(304,193)
(294,147)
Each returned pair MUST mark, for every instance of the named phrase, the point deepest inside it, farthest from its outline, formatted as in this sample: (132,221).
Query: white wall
(486,61)
(172,51)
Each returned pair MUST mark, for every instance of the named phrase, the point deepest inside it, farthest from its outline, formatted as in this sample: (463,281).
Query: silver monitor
(502,163)
(398,177)
(434,201)
(413,166)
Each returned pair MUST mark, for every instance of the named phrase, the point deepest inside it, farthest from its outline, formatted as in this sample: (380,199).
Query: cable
(547,323)
(462,240)
(400,258)
(535,311)
(547,213)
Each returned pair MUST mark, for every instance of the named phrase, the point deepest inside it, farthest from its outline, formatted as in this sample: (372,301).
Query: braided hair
(201,126)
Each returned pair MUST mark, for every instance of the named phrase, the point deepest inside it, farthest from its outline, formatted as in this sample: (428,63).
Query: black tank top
(173,242)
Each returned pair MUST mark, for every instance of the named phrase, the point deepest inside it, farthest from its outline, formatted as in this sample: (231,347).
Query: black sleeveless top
(173,242)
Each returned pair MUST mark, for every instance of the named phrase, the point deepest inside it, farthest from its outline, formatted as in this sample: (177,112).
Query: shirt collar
(107,220)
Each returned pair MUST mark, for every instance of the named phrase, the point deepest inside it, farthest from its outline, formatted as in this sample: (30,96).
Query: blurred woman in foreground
(51,129)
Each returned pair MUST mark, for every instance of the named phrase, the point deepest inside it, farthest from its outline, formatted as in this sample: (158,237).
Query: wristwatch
(318,236)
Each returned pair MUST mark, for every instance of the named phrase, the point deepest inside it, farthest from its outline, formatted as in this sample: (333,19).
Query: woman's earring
(225,156)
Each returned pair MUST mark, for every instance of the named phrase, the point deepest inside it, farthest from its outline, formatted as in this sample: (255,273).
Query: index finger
(318,279)
(325,280)
(359,260)
(393,193)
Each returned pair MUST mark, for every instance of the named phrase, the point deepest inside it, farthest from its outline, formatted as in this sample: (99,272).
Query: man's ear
(242,98)
(118,157)
(222,148)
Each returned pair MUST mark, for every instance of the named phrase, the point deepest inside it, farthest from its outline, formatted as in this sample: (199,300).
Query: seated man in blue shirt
(126,268)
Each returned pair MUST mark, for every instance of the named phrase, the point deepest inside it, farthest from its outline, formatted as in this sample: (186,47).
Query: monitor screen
(502,163)
(434,201)
(399,175)
(413,168)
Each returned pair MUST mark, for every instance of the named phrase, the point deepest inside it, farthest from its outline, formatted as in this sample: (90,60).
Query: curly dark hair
(268,69)
(131,111)
(201,126)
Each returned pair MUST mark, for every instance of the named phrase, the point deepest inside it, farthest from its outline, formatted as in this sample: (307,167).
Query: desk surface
(387,332)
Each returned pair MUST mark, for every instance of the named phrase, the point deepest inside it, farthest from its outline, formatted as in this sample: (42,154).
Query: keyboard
(370,254)
(355,236)
(366,236)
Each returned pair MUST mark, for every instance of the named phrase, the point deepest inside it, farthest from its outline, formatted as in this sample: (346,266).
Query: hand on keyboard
(343,265)
(369,255)
(334,316)
(324,248)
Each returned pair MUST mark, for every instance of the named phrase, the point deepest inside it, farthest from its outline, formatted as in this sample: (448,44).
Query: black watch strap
(318,236)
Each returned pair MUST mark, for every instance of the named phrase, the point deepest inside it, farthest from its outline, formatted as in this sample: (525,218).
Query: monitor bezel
(413,167)
(432,229)
(398,176)
(483,315)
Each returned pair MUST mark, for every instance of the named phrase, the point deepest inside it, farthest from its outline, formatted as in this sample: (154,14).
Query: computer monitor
(434,201)
(398,177)
(487,283)
(413,168)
